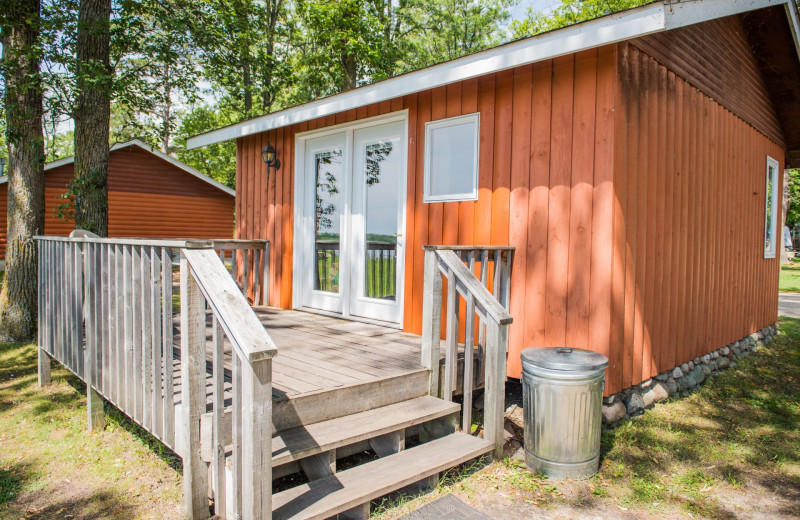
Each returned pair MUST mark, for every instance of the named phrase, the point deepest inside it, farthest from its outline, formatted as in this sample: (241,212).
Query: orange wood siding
(688,229)
(716,58)
(545,186)
(634,200)
(147,198)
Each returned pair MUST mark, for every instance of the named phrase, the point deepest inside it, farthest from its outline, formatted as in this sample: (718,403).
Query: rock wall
(633,401)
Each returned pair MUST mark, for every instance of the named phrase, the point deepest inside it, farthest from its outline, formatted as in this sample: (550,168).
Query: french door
(352,221)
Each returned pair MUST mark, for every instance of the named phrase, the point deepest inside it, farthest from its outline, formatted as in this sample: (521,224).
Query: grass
(729,450)
(790,278)
(50,467)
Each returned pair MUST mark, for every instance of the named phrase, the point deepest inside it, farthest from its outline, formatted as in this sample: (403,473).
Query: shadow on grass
(739,427)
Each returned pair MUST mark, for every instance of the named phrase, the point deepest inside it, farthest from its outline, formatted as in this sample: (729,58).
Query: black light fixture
(270,157)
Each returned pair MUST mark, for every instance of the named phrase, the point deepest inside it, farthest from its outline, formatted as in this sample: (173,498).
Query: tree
(92,114)
(568,13)
(218,160)
(22,98)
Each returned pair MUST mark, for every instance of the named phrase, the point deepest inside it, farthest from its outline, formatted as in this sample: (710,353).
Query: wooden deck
(326,367)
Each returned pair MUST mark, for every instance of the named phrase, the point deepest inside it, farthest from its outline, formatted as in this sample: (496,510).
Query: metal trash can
(562,391)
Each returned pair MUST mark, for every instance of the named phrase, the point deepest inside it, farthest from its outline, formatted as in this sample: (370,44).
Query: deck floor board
(318,353)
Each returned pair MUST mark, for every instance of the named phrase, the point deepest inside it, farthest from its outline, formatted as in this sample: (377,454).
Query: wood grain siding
(634,199)
(147,197)
(545,186)
(689,178)
(716,58)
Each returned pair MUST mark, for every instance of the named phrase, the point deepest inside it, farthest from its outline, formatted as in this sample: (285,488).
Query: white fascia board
(614,28)
(690,12)
(794,24)
(158,153)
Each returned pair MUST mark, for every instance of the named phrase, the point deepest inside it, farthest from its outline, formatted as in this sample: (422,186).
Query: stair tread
(344,490)
(305,441)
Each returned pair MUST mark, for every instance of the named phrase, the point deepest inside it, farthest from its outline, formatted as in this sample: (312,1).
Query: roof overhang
(150,149)
(647,19)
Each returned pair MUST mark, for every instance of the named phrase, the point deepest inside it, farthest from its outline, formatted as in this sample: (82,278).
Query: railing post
(494,393)
(42,278)
(257,439)
(193,398)
(94,403)
(265,289)
(431,320)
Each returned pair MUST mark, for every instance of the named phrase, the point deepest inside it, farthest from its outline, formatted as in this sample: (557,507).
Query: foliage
(218,161)
(568,13)
(793,199)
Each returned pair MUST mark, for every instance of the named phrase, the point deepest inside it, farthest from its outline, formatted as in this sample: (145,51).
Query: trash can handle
(563,350)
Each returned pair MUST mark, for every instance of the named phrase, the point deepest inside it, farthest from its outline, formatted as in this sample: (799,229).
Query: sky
(519,10)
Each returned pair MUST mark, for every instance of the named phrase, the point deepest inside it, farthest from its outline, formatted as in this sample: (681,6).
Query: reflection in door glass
(328,174)
(380,214)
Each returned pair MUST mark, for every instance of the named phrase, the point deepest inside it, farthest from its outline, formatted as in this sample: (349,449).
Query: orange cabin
(637,178)
(150,195)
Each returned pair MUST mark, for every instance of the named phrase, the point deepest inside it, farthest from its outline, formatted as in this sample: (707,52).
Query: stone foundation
(633,401)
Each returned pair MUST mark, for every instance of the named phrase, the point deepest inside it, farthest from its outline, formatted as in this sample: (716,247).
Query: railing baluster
(146,337)
(167,348)
(236,432)
(218,456)
(136,312)
(451,338)
(156,345)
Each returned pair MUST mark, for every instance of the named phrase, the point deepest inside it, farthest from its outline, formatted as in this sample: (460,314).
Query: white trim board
(626,25)
(146,147)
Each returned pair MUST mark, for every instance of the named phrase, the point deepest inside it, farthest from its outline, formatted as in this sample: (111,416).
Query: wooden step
(305,441)
(347,489)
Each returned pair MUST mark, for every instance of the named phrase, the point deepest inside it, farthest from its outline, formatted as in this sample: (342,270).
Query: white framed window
(451,158)
(771,209)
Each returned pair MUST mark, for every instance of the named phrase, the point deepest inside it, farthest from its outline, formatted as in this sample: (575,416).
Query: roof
(150,149)
(663,15)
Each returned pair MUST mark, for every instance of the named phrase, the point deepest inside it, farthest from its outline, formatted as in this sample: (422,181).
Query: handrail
(468,283)
(241,325)
(205,281)
(448,262)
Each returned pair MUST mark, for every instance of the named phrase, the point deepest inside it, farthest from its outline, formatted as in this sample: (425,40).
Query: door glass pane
(382,173)
(328,168)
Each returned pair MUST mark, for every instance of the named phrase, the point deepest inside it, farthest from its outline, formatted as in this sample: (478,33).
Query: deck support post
(193,402)
(431,320)
(94,409)
(257,439)
(44,368)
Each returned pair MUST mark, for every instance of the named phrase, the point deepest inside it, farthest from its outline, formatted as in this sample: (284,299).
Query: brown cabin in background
(150,195)
(633,161)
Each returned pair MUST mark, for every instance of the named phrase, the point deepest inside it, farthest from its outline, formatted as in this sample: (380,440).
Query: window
(771,209)
(451,159)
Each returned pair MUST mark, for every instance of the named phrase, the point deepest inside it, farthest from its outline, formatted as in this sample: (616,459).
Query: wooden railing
(458,265)
(106,313)
(249,260)
(380,269)
(204,281)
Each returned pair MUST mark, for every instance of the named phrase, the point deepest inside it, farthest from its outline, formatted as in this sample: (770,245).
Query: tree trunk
(92,113)
(23,102)
(350,67)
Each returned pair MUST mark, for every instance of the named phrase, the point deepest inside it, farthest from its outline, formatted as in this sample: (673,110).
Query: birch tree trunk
(92,114)
(23,102)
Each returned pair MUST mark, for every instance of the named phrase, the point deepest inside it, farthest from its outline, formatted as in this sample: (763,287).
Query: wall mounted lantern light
(270,157)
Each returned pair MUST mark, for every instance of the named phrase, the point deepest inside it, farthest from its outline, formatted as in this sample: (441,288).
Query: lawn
(729,450)
(51,468)
(790,277)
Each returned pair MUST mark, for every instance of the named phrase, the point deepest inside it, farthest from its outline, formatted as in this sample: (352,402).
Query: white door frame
(300,277)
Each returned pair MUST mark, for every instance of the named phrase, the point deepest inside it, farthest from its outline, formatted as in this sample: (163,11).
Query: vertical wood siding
(688,227)
(147,198)
(545,186)
(634,200)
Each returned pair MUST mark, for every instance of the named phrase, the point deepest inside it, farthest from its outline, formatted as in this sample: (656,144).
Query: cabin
(150,194)
(612,185)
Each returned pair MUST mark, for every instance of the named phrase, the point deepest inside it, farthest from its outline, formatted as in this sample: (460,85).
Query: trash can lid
(564,358)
